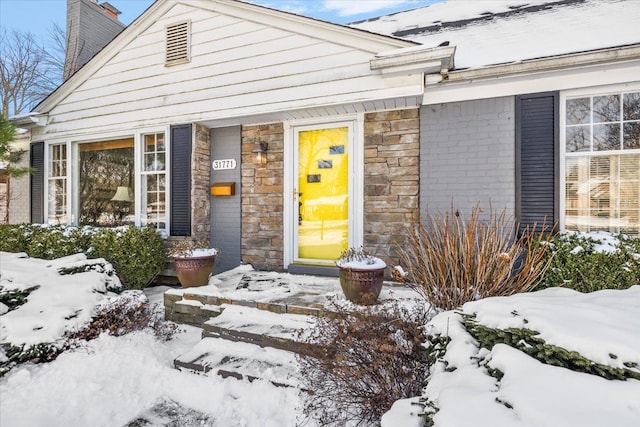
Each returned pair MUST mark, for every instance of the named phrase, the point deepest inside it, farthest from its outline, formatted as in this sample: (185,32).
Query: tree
(8,155)
(28,72)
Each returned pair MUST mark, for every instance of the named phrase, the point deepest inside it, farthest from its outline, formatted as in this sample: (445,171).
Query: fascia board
(617,54)
(335,33)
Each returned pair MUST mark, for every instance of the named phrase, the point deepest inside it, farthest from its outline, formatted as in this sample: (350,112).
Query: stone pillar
(200,174)
(391,180)
(262,199)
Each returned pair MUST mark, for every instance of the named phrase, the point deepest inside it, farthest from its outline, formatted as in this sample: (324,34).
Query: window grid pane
(57,185)
(153,182)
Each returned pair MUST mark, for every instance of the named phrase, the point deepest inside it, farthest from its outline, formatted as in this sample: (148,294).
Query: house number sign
(224,164)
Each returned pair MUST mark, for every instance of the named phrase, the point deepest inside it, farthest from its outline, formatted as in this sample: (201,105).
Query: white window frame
(576,93)
(50,178)
(73,173)
(143,172)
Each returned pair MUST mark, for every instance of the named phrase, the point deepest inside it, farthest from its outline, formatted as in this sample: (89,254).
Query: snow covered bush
(137,254)
(57,242)
(123,314)
(451,260)
(365,361)
(593,261)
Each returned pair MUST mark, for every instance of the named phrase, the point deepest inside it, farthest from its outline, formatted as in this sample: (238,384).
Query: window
(602,163)
(177,49)
(57,184)
(154,181)
(106,183)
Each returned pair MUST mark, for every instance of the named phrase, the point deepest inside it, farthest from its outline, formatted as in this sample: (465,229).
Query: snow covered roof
(504,31)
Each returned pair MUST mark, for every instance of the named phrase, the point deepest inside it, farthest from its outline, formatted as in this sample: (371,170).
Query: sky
(38,16)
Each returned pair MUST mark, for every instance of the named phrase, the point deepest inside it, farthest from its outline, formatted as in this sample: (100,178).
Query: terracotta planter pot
(361,286)
(194,271)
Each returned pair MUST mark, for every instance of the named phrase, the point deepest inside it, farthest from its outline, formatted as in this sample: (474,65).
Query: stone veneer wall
(200,174)
(262,199)
(391,180)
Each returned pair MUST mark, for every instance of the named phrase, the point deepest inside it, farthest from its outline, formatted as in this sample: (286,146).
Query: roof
(505,31)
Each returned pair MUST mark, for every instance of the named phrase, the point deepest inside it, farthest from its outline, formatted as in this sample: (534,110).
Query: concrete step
(241,360)
(262,328)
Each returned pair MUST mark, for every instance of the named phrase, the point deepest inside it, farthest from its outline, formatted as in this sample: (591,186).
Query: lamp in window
(260,153)
(122,200)
(123,194)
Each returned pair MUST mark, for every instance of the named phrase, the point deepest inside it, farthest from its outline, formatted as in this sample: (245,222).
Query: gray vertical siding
(226,210)
(467,155)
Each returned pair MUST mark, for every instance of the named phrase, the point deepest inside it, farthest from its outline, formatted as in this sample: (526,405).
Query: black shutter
(36,183)
(537,154)
(180,216)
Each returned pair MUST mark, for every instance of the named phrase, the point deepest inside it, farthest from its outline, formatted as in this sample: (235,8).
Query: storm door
(322,192)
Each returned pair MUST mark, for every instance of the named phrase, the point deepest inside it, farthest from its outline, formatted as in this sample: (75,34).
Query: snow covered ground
(113,381)
(130,380)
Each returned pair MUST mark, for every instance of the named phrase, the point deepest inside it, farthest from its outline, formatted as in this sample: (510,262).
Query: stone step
(241,360)
(262,328)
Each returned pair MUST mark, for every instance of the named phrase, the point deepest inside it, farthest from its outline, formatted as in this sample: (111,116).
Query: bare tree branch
(28,72)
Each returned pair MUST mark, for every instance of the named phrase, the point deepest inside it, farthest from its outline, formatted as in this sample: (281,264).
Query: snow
(556,30)
(61,303)
(200,252)
(594,324)
(371,263)
(114,380)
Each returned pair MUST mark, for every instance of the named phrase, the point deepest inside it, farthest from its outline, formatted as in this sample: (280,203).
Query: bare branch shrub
(365,361)
(451,261)
(126,313)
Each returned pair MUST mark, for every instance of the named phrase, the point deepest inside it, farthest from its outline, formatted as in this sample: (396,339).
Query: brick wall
(391,179)
(19,202)
(200,174)
(468,155)
(262,200)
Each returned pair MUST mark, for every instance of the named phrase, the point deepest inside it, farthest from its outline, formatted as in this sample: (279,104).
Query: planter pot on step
(361,286)
(194,271)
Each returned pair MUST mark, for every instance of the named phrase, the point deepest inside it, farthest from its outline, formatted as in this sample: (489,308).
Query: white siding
(238,67)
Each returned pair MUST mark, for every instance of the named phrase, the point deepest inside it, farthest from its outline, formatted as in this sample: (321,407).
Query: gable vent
(177,49)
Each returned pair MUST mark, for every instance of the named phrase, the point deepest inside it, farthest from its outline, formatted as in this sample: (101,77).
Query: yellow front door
(323,193)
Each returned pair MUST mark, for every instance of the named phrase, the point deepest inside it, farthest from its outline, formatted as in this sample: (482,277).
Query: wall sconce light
(260,153)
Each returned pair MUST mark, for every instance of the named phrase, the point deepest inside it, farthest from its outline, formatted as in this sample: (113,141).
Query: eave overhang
(417,59)
(29,121)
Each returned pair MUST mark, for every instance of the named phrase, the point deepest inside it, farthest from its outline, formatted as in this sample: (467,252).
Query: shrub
(120,315)
(137,254)
(577,263)
(126,313)
(529,342)
(365,361)
(15,238)
(57,242)
(451,261)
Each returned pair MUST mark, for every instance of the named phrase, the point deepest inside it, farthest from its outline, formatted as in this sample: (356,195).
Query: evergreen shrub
(137,254)
(578,264)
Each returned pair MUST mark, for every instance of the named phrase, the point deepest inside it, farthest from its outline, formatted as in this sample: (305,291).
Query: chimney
(110,10)
(90,27)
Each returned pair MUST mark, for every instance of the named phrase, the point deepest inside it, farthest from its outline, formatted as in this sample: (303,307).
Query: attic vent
(177,49)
